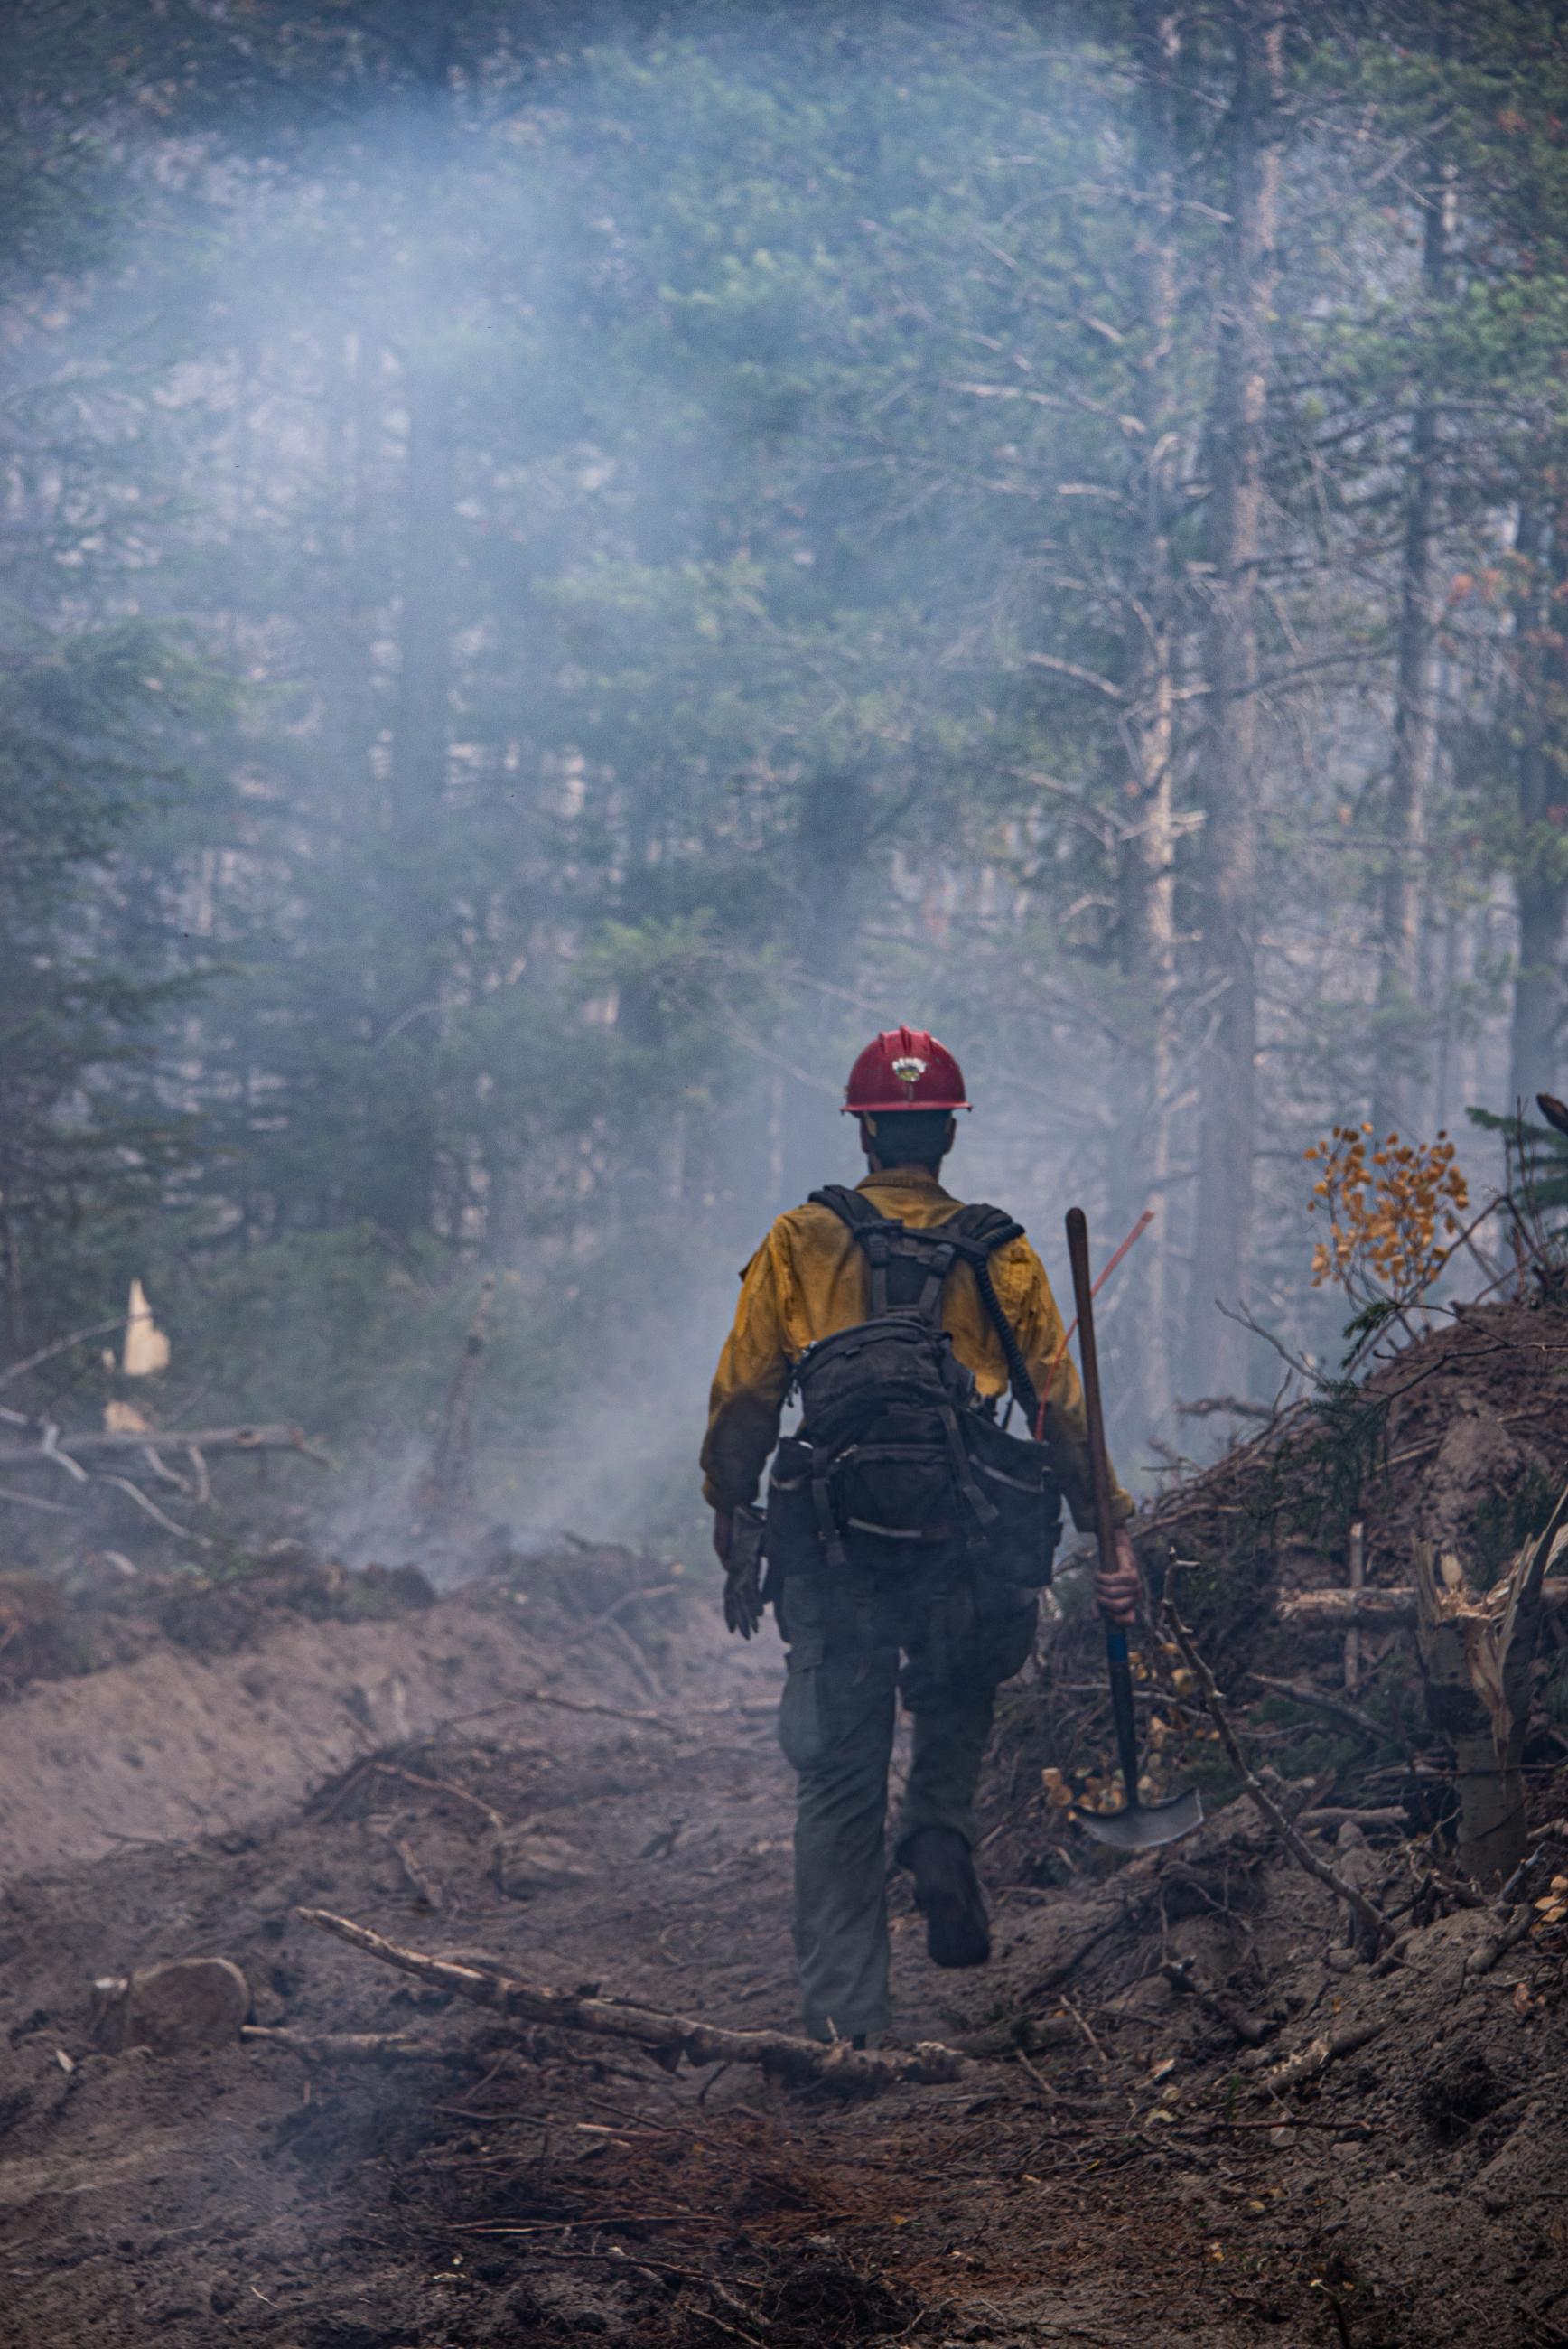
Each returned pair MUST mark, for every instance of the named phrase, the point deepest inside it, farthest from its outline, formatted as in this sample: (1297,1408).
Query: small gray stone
(172,2009)
(527,1862)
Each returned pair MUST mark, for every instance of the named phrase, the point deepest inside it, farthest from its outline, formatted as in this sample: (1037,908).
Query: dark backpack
(898,1462)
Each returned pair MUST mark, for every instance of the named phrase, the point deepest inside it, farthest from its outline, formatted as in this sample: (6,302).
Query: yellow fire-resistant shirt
(811,1277)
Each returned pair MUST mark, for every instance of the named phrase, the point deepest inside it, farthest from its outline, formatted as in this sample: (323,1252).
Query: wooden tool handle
(1098,1458)
(1118,1665)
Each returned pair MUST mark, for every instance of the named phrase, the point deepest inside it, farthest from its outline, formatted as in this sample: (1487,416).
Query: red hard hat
(904,1069)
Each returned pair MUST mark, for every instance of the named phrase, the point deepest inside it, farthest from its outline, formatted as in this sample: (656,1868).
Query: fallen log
(1385,1609)
(669,2037)
(93,1444)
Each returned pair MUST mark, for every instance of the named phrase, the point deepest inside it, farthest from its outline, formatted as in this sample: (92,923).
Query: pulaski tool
(1138,1826)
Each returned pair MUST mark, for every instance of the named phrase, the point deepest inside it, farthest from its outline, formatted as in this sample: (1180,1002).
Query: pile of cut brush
(1371,1579)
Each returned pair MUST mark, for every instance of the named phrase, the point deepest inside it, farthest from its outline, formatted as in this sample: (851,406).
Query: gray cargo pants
(847,1635)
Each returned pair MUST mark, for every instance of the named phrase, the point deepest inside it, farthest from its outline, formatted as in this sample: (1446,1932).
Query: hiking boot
(947,1894)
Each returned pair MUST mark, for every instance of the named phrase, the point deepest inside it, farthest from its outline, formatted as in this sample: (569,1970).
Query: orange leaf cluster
(1392,1207)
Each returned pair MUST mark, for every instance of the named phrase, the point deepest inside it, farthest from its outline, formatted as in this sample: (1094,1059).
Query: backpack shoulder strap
(982,1230)
(979,1232)
(851,1207)
(919,1257)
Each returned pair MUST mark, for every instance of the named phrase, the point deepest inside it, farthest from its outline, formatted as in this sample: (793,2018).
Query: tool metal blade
(1142,1827)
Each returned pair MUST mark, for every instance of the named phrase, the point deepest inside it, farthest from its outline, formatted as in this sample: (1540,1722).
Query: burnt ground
(1118,2163)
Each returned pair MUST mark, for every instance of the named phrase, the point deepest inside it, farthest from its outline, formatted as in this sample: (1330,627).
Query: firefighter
(906,1532)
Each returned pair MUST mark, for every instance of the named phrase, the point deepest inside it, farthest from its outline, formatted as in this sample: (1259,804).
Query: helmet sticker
(904,1068)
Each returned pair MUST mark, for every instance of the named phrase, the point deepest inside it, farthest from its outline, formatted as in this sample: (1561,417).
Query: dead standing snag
(801,2063)
(1476,1649)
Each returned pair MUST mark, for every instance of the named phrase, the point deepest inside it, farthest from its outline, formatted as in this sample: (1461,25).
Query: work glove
(742,1554)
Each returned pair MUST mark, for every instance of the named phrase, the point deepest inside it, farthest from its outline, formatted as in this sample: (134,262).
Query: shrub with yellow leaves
(1393,1209)
(1553,1908)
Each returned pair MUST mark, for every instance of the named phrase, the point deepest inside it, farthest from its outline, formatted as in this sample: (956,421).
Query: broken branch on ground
(669,2037)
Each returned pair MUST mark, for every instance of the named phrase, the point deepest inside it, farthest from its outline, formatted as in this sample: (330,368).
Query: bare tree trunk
(1401,1021)
(1540,890)
(15,1296)
(1228,916)
(405,1190)
(1148,875)
(444,1497)
(833,838)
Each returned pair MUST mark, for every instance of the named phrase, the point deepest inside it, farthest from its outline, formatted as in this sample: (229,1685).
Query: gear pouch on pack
(891,1503)
(895,1493)
(1016,1476)
(792,1543)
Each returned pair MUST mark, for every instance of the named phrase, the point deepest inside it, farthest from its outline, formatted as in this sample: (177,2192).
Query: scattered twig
(1356,1577)
(44,1509)
(1338,2127)
(668,2036)
(1068,2008)
(1320,2052)
(1232,1406)
(1518,1884)
(490,1815)
(1301,1693)
(1065,1967)
(355,2046)
(1374,1925)
(151,1508)
(165,1475)
(639,1720)
(1224,2006)
(1337,2309)
(425,1889)
(1485,1954)
(637,1597)
(61,1346)
(1038,2077)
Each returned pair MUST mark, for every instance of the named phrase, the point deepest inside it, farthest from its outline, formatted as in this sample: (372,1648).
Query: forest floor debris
(1191,2109)
(376,2165)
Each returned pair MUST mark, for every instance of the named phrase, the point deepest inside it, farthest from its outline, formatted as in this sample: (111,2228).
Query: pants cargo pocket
(800,1725)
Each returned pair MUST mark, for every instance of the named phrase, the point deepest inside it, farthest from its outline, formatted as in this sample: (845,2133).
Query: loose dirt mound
(149,1710)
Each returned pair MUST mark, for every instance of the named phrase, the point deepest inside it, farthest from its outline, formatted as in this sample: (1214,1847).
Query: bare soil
(1114,2165)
